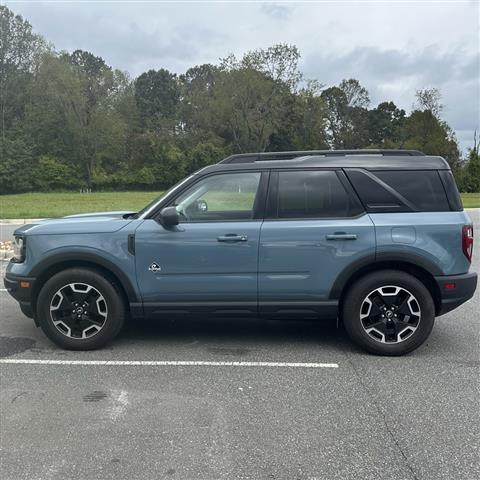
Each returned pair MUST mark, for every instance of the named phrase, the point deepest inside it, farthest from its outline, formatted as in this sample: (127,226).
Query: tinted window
(451,189)
(373,195)
(229,196)
(423,188)
(311,194)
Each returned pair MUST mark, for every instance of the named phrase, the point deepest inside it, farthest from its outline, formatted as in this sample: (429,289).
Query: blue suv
(376,238)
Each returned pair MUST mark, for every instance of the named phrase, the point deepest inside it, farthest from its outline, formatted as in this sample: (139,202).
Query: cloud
(394,74)
(428,66)
(275,10)
(138,50)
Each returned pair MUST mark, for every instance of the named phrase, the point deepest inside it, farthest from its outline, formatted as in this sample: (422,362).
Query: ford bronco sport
(376,238)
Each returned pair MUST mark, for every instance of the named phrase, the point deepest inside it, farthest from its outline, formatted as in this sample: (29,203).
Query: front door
(209,261)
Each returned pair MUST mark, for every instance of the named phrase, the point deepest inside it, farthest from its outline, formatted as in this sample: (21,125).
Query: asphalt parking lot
(252,412)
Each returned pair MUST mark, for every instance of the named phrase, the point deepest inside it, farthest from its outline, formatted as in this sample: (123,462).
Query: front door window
(223,197)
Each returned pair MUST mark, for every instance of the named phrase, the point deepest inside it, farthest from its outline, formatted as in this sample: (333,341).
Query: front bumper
(455,290)
(21,288)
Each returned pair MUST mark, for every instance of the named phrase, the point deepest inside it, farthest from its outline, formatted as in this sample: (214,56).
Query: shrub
(51,173)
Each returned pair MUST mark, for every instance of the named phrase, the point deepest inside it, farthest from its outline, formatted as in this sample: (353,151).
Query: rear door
(315,228)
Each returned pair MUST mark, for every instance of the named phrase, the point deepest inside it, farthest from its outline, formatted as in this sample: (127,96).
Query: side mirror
(202,206)
(169,217)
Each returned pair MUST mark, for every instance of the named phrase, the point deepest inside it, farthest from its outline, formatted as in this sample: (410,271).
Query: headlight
(19,249)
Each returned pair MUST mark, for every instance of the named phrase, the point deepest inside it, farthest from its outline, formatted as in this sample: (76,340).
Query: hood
(100,222)
(112,215)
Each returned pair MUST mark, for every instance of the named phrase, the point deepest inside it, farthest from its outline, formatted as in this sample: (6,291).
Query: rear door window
(310,194)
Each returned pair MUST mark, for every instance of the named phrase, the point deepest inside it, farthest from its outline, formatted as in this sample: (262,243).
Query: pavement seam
(382,415)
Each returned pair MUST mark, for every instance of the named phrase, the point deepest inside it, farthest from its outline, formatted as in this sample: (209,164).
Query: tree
(203,154)
(470,175)
(346,114)
(243,101)
(279,63)
(49,174)
(200,77)
(162,158)
(356,95)
(255,91)
(73,112)
(303,126)
(384,125)
(472,172)
(429,100)
(157,94)
(17,160)
(423,131)
(20,52)
(198,93)
(336,103)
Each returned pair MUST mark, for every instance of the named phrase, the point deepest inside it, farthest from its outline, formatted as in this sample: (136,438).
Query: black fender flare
(371,262)
(89,257)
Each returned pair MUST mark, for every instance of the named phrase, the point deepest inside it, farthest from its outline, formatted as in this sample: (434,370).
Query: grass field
(43,205)
(471,200)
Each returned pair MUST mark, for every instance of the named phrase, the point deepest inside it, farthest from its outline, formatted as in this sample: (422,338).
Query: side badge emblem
(154,267)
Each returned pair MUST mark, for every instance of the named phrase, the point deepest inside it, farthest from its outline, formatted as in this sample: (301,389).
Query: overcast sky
(392,47)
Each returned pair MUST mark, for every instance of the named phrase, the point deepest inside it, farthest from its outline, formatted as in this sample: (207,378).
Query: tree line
(70,121)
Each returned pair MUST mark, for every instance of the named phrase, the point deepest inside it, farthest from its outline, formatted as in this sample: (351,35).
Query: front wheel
(388,312)
(79,309)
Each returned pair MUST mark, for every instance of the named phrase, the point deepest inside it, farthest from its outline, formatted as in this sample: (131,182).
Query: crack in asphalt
(377,407)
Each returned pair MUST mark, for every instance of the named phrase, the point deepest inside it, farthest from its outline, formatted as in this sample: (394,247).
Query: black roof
(366,159)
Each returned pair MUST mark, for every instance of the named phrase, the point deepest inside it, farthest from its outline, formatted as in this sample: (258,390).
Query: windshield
(156,200)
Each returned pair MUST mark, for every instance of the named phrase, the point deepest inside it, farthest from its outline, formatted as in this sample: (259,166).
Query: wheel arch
(418,270)
(53,265)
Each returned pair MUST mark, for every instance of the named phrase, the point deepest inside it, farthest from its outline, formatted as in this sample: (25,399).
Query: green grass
(471,200)
(43,205)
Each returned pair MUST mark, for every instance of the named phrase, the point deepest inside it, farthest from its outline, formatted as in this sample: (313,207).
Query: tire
(66,293)
(405,303)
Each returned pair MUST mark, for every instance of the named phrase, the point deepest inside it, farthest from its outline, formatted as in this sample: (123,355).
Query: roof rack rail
(266,156)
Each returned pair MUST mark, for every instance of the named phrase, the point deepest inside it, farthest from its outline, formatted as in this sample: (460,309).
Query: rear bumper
(455,290)
(17,287)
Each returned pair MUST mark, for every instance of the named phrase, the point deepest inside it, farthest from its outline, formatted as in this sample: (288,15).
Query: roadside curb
(19,221)
(6,250)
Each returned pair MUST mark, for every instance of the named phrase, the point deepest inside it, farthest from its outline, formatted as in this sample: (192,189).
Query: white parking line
(165,363)
(3,289)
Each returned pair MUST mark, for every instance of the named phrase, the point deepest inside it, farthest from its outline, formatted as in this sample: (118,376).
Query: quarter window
(310,193)
(423,188)
(229,196)
(400,190)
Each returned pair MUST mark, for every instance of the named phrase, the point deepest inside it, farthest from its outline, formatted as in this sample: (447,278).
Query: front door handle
(232,237)
(342,236)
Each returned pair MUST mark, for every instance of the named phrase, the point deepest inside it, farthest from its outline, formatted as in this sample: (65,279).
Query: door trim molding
(281,309)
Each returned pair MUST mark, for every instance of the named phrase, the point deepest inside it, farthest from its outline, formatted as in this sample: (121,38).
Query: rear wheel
(79,309)
(388,312)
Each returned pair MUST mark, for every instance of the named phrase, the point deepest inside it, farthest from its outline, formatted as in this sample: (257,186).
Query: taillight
(467,241)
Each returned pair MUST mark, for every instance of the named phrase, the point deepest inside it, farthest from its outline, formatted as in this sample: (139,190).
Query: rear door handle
(342,236)
(232,238)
